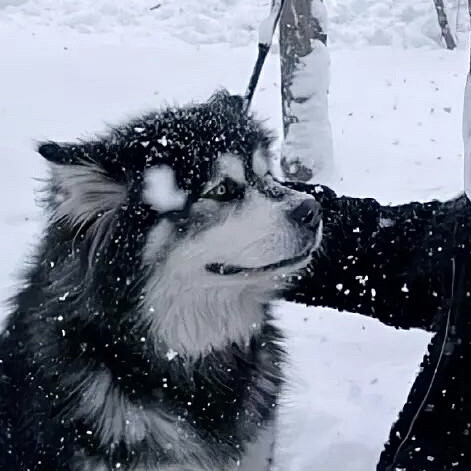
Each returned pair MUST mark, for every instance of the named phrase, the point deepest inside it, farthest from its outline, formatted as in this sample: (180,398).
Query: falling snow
(333,417)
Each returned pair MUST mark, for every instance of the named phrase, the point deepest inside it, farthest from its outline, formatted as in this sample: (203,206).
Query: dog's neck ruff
(196,321)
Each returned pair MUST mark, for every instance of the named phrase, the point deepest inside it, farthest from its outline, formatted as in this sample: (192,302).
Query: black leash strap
(265,37)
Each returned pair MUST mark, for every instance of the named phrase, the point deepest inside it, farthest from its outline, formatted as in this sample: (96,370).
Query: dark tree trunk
(307,147)
(444,25)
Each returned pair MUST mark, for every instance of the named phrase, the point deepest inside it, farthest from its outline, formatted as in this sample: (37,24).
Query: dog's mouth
(230,269)
(227,269)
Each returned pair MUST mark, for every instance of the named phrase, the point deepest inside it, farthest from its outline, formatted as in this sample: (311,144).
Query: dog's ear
(62,154)
(81,189)
(52,152)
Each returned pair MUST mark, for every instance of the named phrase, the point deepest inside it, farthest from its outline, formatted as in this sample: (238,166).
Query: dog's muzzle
(307,215)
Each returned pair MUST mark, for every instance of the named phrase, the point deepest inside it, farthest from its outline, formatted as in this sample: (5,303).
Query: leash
(265,37)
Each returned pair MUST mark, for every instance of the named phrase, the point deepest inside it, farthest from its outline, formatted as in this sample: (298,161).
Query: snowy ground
(70,67)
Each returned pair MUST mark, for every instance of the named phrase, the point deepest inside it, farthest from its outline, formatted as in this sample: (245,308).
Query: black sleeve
(389,262)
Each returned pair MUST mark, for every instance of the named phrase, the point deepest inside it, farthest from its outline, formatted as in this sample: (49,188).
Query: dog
(142,339)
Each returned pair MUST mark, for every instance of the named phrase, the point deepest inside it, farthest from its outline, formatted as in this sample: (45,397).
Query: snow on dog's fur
(143,338)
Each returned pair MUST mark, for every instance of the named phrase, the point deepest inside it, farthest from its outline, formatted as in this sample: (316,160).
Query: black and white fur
(142,339)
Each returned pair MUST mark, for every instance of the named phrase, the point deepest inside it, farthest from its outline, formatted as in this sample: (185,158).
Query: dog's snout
(308,213)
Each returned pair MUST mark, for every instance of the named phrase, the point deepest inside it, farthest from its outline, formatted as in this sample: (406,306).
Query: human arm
(393,263)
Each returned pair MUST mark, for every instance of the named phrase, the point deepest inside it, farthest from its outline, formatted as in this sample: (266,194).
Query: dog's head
(180,209)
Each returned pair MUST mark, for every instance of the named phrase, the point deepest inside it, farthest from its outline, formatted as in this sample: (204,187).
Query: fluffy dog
(142,339)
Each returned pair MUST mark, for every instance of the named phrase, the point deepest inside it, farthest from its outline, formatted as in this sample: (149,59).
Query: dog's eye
(226,190)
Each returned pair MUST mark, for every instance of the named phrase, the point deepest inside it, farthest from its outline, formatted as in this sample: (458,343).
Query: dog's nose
(308,213)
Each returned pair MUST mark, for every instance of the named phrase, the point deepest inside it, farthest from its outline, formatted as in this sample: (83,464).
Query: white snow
(171,354)
(401,23)
(267,26)
(319,11)
(161,190)
(342,396)
(309,137)
(396,110)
